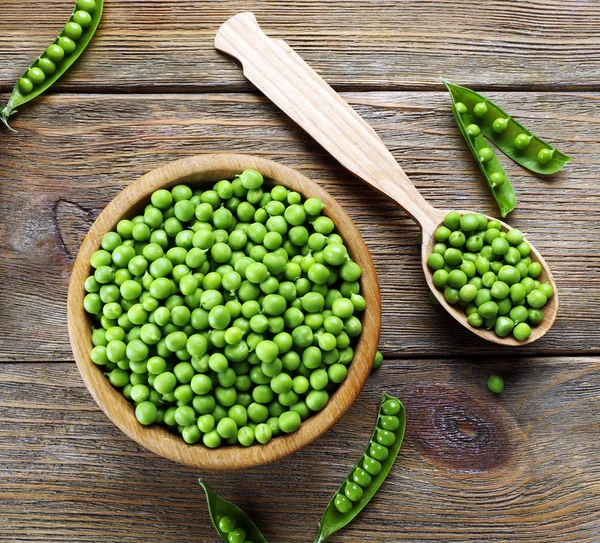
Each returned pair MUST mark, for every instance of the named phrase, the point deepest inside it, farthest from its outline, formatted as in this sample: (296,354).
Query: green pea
(82,18)
(499,125)
(353,492)
(460,107)
(480,109)
(47,66)
(67,44)
(25,85)
(36,76)
(485,154)
(473,130)
(545,155)
(342,503)
(497,179)
(522,331)
(495,383)
(73,30)
(522,141)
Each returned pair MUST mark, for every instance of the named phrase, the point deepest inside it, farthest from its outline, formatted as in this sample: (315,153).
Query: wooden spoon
(304,96)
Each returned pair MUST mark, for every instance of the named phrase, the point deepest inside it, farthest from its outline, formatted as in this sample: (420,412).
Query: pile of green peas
(64,45)
(369,466)
(228,315)
(489,273)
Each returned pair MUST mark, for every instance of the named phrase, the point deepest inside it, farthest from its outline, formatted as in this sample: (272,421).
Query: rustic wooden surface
(519,468)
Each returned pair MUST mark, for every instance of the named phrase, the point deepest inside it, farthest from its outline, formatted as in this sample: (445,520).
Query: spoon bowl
(537,331)
(275,69)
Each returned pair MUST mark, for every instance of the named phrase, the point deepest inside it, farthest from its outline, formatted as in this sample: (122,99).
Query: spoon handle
(304,96)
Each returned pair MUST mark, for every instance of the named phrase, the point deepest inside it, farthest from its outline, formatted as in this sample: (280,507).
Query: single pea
(485,154)
(467,293)
(517,292)
(457,279)
(289,421)
(495,383)
(535,316)
(536,299)
(227,524)
(390,423)
(452,221)
(372,466)
(25,85)
(440,278)
(475,320)
(46,65)
(460,107)
(522,331)
(435,261)
(545,155)
(534,269)
(497,179)
(488,309)
(385,438)
(442,234)
(146,413)
(457,239)
(522,141)
(353,492)
(480,109)
(500,246)
(342,503)
(391,407)
(82,18)
(504,326)
(450,294)
(547,289)
(73,30)
(453,257)
(67,44)
(473,130)
(36,76)
(509,275)
(499,125)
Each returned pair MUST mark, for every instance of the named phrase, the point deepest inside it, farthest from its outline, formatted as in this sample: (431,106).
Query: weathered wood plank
(521,467)
(72,154)
(358,44)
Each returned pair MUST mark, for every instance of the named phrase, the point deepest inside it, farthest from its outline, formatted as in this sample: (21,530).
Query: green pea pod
(228,518)
(57,58)
(337,515)
(502,189)
(529,151)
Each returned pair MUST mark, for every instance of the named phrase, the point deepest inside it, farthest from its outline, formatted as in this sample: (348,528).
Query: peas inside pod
(369,472)
(58,57)
(230,522)
(490,274)
(228,315)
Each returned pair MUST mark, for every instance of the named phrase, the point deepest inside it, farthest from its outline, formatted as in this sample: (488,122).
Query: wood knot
(455,430)
(72,224)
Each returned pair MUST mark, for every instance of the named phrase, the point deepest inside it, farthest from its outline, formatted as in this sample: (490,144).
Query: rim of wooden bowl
(196,170)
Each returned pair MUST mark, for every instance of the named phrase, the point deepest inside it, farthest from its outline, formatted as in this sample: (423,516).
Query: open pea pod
(57,58)
(512,138)
(231,523)
(488,163)
(368,474)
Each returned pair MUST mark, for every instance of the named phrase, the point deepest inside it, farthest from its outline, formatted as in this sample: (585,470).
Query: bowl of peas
(224,311)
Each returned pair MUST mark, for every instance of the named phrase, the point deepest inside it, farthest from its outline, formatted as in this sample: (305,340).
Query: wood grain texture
(517,468)
(353,44)
(206,170)
(72,154)
(293,86)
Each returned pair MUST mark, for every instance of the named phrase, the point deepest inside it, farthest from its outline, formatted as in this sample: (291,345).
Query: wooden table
(522,467)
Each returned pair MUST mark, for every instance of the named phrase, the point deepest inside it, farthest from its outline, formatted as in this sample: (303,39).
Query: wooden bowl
(209,169)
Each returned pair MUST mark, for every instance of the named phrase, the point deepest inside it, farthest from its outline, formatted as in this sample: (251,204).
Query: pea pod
(512,138)
(57,58)
(488,162)
(368,474)
(231,523)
